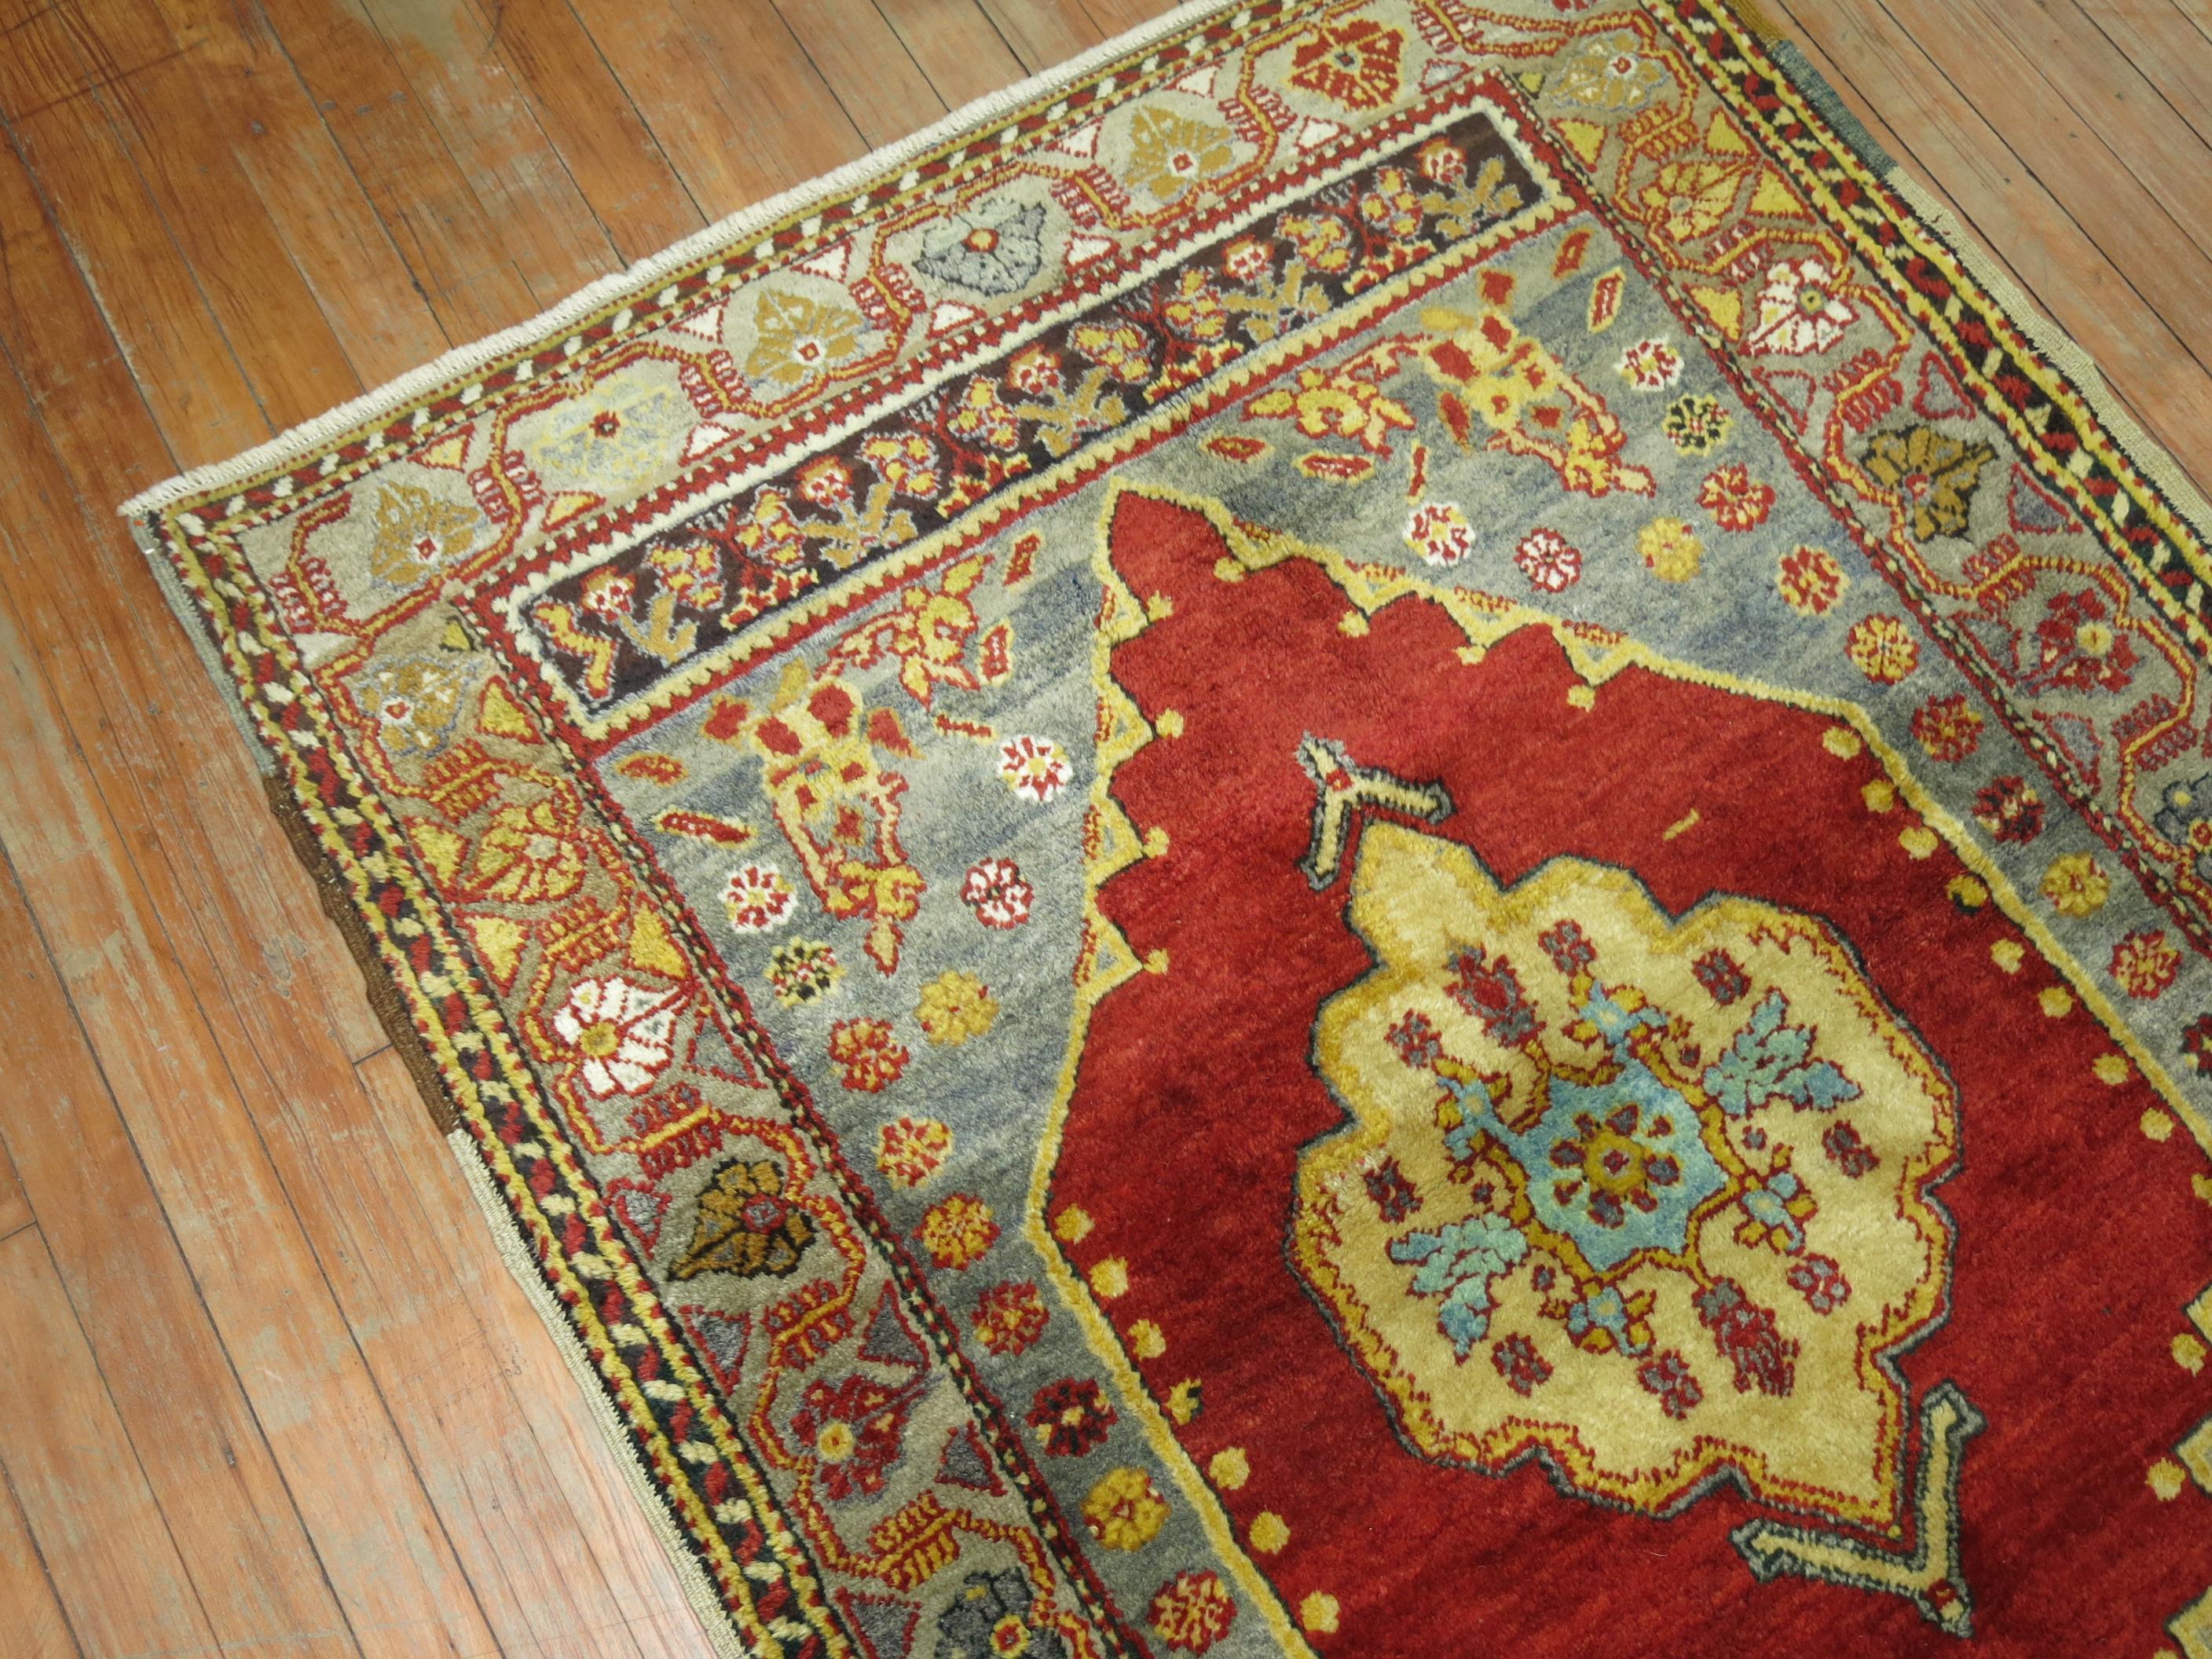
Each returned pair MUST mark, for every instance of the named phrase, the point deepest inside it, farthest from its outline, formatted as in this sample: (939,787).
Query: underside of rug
(1371,833)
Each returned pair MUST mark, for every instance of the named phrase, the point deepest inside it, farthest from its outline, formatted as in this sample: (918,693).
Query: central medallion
(1645,1196)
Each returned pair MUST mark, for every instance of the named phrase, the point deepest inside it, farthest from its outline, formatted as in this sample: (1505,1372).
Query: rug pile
(1376,833)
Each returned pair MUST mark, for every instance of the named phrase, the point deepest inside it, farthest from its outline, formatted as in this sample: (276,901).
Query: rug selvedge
(482,758)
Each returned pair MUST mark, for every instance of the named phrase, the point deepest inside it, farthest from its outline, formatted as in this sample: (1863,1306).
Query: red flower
(2078,648)
(2144,962)
(1948,728)
(1192,1612)
(1735,499)
(868,1058)
(852,1428)
(2010,810)
(1070,1417)
(1010,1317)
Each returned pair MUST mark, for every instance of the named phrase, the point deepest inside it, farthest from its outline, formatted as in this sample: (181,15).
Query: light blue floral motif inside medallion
(1616,1167)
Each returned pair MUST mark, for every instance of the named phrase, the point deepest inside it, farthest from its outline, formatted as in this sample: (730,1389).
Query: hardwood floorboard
(957,45)
(270,1388)
(866,65)
(588,116)
(203,1454)
(1043,33)
(16,1212)
(36,1624)
(99,1534)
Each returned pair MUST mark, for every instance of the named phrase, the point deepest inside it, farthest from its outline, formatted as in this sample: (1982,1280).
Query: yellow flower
(1169,153)
(1324,243)
(954,1007)
(957,1231)
(2076,884)
(529,853)
(1689,198)
(415,532)
(1882,648)
(796,337)
(1671,548)
(1124,1511)
(1336,403)
(1119,349)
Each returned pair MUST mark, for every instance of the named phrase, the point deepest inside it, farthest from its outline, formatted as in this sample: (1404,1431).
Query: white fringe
(302,441)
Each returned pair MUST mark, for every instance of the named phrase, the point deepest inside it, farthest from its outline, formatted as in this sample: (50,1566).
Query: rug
(1377,831)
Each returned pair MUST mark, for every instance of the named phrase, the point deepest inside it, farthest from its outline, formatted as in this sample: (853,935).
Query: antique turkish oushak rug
(1375,832)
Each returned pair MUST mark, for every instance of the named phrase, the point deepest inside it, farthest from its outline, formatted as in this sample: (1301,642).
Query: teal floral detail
(1770,1061)
(1457,1262)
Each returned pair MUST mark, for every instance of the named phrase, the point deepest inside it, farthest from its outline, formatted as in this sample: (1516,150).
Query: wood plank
(164,123)
(522,1435)
(16,1212)
(1043,33)
(2070,157)
(82,393)
(456,251)
(203,1452)
(956,46)
(2114,100)
(72,1468)
(731,100)
(2170,52)
(866,67)
(447,55)
(260,128)
(28,1602)
(98,205)
(2012,212)
(587,115)
(1119,16)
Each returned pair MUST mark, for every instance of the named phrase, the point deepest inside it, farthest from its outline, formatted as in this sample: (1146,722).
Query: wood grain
(268,1388)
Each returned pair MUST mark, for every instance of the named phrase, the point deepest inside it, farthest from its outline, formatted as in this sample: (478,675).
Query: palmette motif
(722,712)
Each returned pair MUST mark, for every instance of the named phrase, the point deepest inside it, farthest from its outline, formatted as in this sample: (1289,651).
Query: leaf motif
(1771,1060)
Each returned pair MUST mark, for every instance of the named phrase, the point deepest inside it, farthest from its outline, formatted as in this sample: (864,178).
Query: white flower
(1440,534)
(1799,310)
(994,889)
(622,1033)
(1651,365)
(757,898)
(1032,767)
(1548,561)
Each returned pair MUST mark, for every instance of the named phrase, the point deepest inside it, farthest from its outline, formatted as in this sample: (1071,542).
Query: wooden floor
(264,1386)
